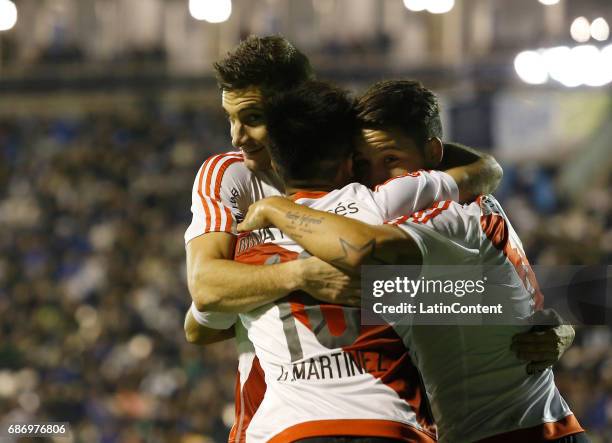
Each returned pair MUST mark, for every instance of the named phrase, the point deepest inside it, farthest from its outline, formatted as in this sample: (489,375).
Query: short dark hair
(401,104)
(271,62)
(311,130)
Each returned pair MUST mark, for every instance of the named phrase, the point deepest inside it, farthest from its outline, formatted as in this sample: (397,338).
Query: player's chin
(257,162)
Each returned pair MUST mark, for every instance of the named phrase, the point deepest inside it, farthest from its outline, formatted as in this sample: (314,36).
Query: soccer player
(478,388)
(326,375)
(401,132)
(223,188)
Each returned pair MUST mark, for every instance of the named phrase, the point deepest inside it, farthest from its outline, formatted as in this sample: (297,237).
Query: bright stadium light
(580,30)
(440,6)
(607,55)
(530,67)
(582,65)
(212,11)
(415,5)
(549,2)
(559,65)
(8,15)
(600,29)
(606,61)
(587,60)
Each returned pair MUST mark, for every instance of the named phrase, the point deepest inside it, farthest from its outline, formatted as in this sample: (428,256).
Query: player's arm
(414,191)
(199,334)
(217,283)
(474,172)
(221,287)
(338,240)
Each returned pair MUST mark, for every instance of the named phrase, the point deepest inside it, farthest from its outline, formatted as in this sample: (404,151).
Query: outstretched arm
(340,241)
(475,172)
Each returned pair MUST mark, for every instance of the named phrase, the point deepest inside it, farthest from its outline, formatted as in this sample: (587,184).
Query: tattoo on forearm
(353,253)
(300,224)
(370,253)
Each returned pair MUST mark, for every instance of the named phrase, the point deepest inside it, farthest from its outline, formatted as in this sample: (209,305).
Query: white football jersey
(476,385)
(223,190)
(325,373)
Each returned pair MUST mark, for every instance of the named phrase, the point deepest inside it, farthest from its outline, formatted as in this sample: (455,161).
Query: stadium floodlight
(415,5)
(212,11)
(600,29)
(440,6)
(580,30)
(8,15)
(559,64)
(549,2)
(531,68)
(587,60)
(581,65)
(606,60)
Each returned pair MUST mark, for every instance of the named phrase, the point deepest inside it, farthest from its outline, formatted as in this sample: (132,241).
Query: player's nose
(239,135)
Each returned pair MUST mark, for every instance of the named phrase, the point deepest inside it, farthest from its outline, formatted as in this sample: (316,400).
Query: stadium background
(108,107)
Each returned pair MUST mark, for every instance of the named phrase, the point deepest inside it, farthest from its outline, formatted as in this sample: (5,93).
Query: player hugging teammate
(308,369)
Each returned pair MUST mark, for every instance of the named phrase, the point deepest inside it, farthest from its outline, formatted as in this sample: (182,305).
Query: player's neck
(303,186)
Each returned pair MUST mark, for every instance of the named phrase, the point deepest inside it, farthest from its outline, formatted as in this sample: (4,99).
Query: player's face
(385,154)
(244,110)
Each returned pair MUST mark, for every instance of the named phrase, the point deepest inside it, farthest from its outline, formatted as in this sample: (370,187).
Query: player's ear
(434,150)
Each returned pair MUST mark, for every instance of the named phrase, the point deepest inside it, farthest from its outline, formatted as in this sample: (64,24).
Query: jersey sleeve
(213,320)
(446,233)
(215,194)
(414,191)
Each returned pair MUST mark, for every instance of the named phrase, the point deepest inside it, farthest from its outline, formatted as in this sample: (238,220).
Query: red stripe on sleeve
(204,189)
(217,193)
(436,211)
(408,174)
(203,200)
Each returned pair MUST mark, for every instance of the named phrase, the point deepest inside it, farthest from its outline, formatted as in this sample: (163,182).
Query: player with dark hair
(249,65)
(223,188)
(479,389)
(404,104)
(401,126)
(318,105)
(401,132)
(227,183)
(332,379)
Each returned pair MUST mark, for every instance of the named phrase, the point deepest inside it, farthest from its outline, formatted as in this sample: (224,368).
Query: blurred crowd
(92,279)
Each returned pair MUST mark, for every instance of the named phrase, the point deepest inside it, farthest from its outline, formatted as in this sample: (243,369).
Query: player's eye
(252,119)
(390,160)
